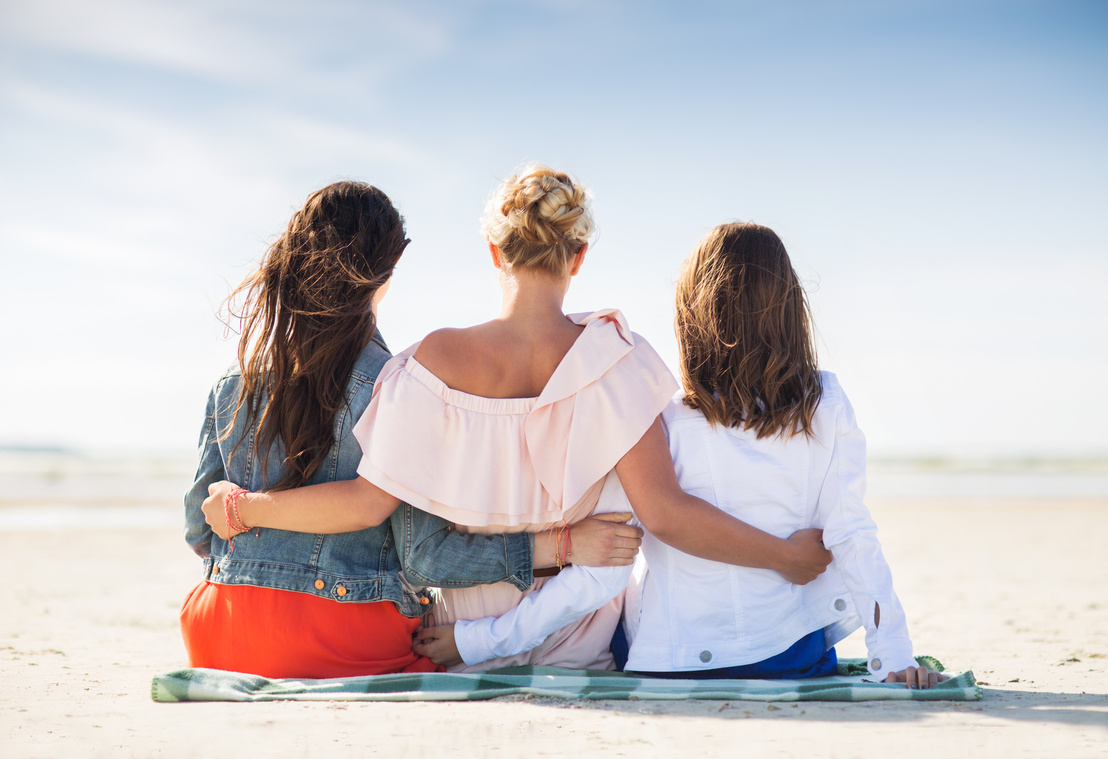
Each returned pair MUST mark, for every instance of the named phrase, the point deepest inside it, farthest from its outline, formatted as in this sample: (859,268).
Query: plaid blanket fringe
(847,685)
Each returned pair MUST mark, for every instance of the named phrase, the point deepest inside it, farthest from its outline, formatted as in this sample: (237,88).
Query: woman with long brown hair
(526,423)
(769,439)
(287,604)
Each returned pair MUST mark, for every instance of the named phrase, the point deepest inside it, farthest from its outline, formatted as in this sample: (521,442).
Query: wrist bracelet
(231,507)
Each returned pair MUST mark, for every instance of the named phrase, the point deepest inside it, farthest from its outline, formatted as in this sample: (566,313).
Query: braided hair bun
(538,219)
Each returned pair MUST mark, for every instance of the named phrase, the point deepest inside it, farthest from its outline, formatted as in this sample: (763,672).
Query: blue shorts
(805,658)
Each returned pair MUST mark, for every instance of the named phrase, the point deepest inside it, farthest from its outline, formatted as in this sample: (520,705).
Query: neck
(532,296)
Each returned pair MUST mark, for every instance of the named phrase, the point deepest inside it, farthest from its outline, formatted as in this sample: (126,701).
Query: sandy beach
(1014,588)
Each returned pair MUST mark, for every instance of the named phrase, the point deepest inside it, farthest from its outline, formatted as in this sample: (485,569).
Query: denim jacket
(392,562)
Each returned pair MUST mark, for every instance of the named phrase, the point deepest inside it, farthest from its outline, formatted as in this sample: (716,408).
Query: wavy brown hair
(743,323)
(306,315)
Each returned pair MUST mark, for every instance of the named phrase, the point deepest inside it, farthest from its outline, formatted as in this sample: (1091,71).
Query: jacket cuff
(472,637)
(519,554)
(892,656)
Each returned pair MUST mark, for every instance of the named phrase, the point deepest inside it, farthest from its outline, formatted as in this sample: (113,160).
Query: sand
(1014,589)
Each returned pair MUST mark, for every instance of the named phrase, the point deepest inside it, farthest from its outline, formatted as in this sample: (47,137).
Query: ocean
(50,490)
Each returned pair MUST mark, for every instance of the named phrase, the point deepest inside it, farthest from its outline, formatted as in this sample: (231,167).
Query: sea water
(50,490)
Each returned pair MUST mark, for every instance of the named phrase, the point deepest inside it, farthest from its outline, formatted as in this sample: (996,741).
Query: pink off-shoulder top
(516,464)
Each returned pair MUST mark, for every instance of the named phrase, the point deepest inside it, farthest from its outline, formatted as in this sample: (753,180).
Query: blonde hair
(744,328)
(538,219)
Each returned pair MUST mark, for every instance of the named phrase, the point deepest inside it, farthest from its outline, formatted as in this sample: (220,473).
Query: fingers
(215,487)
(615,516)
(916,677)
(925,678)
(626,544)
(911,676)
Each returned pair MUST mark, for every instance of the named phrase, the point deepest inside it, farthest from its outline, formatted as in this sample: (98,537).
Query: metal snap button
(705,656)
(840,604)
(341,591)
(215,570)
(319,584)
(875,664)
(424,600)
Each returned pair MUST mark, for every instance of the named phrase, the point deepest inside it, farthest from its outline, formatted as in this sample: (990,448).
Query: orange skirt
(280,633)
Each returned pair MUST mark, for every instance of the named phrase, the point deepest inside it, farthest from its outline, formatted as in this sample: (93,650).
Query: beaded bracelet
(231,505)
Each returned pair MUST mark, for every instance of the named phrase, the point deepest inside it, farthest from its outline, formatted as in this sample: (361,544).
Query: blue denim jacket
(393,562)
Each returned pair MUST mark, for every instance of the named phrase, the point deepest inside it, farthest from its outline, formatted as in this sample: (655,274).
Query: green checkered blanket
(848,685)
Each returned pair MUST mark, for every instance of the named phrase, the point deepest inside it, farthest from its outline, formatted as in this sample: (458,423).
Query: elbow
(665,530)
(367,518)
(373,505)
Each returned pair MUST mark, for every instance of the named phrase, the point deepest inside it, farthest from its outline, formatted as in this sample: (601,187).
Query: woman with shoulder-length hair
(768,438)
(527,423)
(289,604)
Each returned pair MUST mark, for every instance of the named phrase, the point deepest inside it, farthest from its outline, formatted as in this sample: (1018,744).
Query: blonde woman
(528,422)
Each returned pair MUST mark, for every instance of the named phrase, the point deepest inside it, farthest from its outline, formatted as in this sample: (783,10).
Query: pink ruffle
(511,462)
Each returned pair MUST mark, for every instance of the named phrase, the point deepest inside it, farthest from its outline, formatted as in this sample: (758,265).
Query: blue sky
(938,171)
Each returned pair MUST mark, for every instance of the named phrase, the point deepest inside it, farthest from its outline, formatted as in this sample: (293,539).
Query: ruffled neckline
(592,355)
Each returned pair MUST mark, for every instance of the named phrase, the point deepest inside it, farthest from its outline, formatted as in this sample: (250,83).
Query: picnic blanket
(849,684)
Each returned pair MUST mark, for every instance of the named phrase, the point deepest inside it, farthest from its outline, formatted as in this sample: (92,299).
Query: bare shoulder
(451,354)
(443,346)
(439,343)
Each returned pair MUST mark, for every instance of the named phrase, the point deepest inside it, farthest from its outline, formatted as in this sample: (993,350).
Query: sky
(937,170)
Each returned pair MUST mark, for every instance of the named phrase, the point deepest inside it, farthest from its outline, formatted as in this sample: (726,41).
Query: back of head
(744,328)
(538,218)
(307,314)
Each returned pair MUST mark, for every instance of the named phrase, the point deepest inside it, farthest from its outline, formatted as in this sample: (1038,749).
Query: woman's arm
(356,504)
(343,506)
(433,552)
(209,469)
(694,526)
(851,534)
(576,591)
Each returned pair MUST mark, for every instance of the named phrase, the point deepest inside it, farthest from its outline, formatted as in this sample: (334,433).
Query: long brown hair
(306,315)
(743,323)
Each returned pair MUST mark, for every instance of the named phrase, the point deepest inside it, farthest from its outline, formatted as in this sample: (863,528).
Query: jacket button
(840,605)
(341,591)
(875,664)
(319,584)
(215,570)
(424,600)
(705,656)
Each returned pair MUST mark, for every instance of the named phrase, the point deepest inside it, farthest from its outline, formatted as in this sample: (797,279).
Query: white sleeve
(851,535)
(565,598)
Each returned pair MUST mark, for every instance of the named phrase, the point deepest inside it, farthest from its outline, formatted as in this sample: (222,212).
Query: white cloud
(245,42)
(184,36)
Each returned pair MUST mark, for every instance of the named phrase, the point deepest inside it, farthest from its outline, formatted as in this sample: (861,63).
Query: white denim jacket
(689,613)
